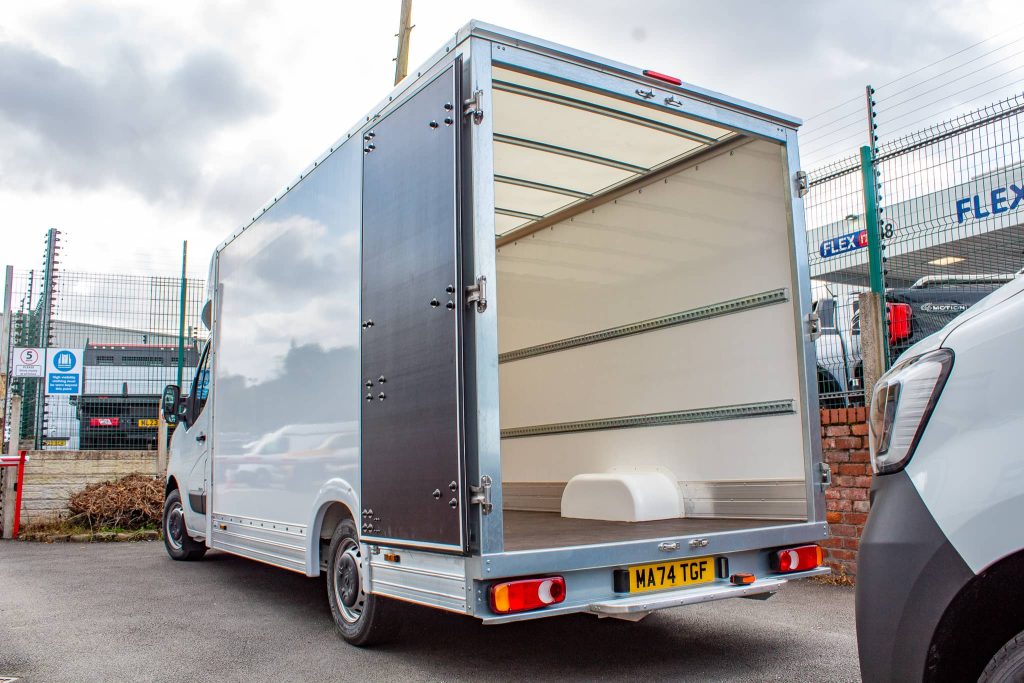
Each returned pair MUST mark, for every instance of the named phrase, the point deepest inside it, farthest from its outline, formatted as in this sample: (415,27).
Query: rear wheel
(180,546)
(362,619)
(1007,666)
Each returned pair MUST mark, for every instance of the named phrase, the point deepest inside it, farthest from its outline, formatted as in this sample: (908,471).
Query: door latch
(481,495)
(826,475)
(813,326)
(803,185)
(478,294)
(474,106)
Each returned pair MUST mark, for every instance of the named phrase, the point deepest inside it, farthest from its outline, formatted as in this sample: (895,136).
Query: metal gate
(413,475)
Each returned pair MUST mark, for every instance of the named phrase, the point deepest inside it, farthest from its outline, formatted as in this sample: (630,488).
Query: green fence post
(875,270)
(181,312)
(46,311)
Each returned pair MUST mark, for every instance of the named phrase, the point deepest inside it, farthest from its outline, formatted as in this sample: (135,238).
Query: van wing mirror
(170,402)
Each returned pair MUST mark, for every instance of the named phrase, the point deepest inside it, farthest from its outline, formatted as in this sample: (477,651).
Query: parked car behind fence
(913,313)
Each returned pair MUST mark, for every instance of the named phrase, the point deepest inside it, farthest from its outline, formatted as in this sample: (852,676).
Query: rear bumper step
(636,607)
(639,604)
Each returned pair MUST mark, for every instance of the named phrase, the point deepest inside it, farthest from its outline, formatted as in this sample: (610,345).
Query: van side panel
(287,371)
(972,479)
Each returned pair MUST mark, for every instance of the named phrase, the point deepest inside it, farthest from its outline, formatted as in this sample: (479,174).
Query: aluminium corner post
(181,312)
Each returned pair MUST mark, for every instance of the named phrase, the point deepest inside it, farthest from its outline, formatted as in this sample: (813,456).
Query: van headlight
(902,401)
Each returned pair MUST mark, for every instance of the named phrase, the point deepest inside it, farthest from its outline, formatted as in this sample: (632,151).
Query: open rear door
(413,476)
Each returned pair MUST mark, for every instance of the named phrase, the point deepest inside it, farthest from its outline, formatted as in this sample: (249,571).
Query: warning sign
(27,362)
(64,371)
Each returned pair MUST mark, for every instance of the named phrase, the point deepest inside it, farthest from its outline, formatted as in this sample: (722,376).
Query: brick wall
(845,447)
(52,476)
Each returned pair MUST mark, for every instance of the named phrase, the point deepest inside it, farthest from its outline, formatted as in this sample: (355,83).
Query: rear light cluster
(527,594)
(797,559)
(104,422)
(899,322)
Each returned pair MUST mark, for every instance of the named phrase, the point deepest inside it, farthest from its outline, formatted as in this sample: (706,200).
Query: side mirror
(170,403)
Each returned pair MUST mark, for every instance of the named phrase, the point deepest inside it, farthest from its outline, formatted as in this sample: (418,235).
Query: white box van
(940,595)
(494,352)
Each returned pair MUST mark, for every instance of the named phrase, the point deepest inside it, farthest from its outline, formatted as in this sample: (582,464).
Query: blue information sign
(64,371)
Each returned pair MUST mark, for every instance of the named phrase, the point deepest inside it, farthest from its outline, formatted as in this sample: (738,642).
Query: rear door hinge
(813,325)
(825,472)
(802,183)
(478,294)
(474,106)
(481,495)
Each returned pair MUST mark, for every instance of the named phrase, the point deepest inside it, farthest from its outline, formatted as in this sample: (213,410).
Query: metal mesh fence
(834,214)
(122,332)
(951,208)
(954,198)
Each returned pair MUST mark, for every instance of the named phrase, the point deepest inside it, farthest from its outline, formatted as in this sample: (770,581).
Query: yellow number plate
(149,423)
(652,577)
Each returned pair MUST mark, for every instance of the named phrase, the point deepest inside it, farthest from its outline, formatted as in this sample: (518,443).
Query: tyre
(829,392)
(180,546)
(361,619)
(1007,666)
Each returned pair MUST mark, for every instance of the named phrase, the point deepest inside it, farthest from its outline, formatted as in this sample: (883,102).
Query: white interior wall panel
(737,450)
(746,357)
(575,139)
(713,232)
(555,124)
(503,75)
(529,200)
(554,169)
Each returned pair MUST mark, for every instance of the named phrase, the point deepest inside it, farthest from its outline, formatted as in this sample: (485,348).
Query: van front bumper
(907,574)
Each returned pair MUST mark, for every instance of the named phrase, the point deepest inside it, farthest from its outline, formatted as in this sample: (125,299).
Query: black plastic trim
(907,575)
(197,501)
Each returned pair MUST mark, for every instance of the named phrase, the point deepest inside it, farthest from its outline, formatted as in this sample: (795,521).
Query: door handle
(201,438)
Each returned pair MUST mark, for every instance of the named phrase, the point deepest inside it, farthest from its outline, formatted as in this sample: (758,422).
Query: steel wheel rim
(348,585)
(174,529)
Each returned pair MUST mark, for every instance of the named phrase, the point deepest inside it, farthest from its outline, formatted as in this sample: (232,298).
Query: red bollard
(17,498)
(9,461)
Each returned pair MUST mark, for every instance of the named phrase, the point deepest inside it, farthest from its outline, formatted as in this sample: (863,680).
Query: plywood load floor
(539,530)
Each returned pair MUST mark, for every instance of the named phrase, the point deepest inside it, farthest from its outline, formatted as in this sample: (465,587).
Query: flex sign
(999,200)
(64,371)
(851,241)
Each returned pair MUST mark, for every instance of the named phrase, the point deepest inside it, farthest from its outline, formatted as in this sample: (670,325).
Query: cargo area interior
(647,328)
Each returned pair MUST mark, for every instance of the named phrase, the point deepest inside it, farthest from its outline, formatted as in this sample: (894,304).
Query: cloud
(131,124)
(798,57)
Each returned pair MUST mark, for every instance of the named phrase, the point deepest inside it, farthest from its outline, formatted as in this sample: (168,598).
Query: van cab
(940,585)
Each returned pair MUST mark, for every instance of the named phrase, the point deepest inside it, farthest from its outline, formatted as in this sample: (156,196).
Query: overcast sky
(131,126)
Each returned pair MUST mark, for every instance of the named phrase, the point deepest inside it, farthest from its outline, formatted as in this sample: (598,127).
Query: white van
(940,582)
(492,352)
